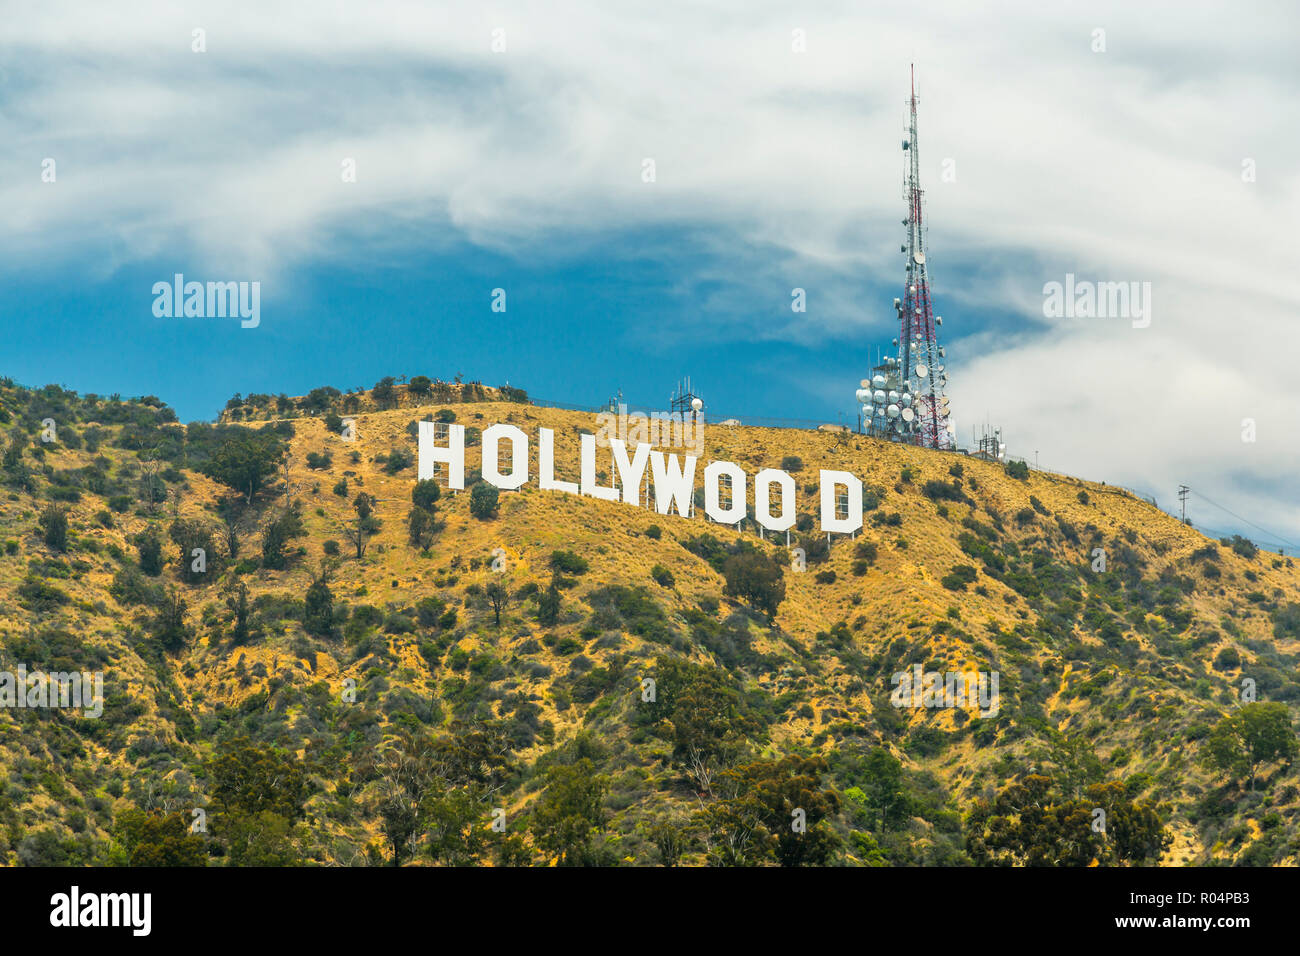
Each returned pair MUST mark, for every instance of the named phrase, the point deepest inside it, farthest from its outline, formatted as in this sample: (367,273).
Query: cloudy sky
(503,145)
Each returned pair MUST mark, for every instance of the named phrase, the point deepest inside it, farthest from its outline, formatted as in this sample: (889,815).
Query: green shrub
(566,562)
(866,550)
(53,523)
(426,493)
(148,545)
(1243,546)
(483,501)
(937,490)
(399,459)
(757,578)
(1229,658)
(959,577)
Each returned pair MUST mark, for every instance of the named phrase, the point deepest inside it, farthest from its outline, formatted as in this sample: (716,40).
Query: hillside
(1114,684)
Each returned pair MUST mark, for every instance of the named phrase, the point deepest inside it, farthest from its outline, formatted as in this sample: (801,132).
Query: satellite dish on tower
(919,257)
(697,404)
(908,414)
(922,371)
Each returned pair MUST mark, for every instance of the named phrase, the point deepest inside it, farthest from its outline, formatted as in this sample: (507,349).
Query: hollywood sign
(672,478)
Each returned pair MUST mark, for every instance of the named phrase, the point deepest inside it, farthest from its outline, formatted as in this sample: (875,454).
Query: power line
(1274,536)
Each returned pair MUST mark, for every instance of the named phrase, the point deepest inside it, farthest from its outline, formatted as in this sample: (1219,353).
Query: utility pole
(1182,497)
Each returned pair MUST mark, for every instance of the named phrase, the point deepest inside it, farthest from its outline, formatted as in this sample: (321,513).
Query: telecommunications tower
(904,398)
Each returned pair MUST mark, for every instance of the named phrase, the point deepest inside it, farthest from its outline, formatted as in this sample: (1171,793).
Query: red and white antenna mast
(920,357)
(904,399)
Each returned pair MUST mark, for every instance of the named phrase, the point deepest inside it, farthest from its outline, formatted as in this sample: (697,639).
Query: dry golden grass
(899,596)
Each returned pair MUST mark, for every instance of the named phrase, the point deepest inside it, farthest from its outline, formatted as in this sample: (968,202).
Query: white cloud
(1123,165)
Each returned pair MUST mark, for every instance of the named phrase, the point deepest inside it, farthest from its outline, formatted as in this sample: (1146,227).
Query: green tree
(884,793)
(158,839)
(53,523)
(231,532)
(754,577)
(773,809)
(244,461)
(276,535)
(497,596)
(385,392)
(570,811)
(263,838)
(1018,469)
(1134,833)
(318,607)
(360,531)
(425,494)
(672,837)
(483,501)
(548,603)
(251,779)
(415,777)
(1077,765)
(705,716)
(421,526)
(407,776)
(190,534)
(242,631)
(168,625)
(1242,742)
(457,828)
(1033,823)
(148,546)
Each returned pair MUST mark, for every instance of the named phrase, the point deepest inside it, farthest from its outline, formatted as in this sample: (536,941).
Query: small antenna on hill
(684,401)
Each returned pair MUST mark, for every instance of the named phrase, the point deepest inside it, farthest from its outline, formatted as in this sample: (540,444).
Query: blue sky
(504,146)
(573,331)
